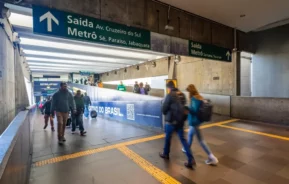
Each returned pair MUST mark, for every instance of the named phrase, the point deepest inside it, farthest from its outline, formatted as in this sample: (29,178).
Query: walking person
(121,87)
(195,122)
(48,116)
(136,88)
(175,116)
(62,101)
(142,89)
(87,103)
(147,88)
(77,118)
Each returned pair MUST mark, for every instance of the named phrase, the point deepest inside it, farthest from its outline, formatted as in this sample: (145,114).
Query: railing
(16,149)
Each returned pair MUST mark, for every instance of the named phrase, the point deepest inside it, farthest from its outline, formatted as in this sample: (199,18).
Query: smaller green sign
(85,73)
(207,51)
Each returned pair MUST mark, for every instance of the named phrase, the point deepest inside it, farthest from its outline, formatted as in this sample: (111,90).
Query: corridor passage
(120,153)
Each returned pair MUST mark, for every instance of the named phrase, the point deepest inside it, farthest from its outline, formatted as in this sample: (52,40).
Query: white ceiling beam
(69,65)
(66,69)
(75,56)
(74,62)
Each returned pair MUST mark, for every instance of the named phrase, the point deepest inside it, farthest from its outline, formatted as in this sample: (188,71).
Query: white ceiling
(259,13)
(55,55)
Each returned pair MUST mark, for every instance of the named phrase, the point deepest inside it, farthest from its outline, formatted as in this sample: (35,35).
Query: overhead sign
(207,51)
(45,88)
(74,26)
(84,73)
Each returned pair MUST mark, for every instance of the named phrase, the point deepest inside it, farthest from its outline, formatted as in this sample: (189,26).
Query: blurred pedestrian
(77,118)
(195,122)
(175,115)
(48,116)
(121,87)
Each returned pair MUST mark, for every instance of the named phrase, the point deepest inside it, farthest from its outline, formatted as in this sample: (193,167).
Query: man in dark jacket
(77,118)
(46,109)
(62,102)
(136,88)
(175,115)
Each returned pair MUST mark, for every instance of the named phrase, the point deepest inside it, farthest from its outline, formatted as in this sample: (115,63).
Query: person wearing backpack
(200,111)
(47,114)
(175,115)
(77,117)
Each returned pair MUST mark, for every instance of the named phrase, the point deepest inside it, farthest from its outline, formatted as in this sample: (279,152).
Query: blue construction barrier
(125,107)
(145,113)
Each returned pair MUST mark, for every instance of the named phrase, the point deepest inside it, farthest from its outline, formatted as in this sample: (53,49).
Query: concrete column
(237,62)
(7,79)
(172,70)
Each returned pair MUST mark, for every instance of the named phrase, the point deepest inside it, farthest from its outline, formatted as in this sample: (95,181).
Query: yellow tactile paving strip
(158,174)
(106,148)
(93,151)
(255,132)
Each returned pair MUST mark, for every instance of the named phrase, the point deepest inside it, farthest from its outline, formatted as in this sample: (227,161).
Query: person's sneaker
(72,132)
(83,133)
(63,139)
(45,126)
(162,155)
(190,165)
(52,129)
(183,150)
(60,142)
(212,160)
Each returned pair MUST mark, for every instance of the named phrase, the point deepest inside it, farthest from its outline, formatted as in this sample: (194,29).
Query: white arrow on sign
(228,54)
(49,18)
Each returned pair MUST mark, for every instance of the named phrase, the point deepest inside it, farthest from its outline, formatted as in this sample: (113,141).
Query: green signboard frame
(57,23)
(201,50)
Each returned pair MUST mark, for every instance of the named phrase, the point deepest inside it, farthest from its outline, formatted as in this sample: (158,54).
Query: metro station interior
(234,53)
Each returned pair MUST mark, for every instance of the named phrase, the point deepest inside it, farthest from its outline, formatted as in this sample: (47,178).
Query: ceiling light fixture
(66,65)
(21,20)
(64,68)
(68,61)
(97,49)
(70,56)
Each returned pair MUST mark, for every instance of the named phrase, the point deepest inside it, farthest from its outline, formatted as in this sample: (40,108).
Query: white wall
(154,82)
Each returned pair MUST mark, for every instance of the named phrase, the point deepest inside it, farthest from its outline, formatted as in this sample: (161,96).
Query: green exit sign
(207,51)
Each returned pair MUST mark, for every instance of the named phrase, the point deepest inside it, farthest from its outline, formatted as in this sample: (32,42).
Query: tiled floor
(245,158)
(100,133)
